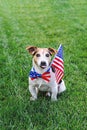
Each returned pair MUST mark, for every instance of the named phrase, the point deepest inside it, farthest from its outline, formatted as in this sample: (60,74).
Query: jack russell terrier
(42,76)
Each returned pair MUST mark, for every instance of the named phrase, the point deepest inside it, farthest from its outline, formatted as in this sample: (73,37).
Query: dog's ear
(32,49)
(52,51)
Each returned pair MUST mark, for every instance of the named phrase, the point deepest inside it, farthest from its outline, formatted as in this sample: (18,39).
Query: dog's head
(41,56)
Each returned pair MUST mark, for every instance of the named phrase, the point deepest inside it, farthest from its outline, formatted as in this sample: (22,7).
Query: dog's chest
(42,85)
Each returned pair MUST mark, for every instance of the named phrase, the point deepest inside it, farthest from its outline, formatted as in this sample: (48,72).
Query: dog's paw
(32,99)
(48,94)
(53,99)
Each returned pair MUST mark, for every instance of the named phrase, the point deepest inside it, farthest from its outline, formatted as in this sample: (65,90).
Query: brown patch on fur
(35,60)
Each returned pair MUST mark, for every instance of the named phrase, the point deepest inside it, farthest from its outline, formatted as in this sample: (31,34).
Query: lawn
(43,23)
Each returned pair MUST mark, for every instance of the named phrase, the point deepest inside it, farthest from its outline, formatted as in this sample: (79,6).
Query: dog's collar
(34,75)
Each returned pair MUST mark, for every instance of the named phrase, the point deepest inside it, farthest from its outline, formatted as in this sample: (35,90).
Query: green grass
(43,23)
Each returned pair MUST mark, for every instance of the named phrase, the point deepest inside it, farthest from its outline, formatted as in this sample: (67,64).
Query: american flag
(58,64)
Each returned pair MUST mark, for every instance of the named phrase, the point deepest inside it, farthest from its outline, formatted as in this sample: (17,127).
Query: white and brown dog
(42,76)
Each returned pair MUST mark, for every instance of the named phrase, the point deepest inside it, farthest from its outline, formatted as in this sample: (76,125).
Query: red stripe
(57,67)
(46,78)
(58,59)
(32,78)
(46,74)
(59,78)
(58,63)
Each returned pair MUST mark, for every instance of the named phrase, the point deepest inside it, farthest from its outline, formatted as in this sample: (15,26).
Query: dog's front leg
(33,92)
(54,91)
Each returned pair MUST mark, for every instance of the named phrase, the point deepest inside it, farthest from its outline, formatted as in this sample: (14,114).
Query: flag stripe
(59,76)
(59,64)
(58,67)
(58,61)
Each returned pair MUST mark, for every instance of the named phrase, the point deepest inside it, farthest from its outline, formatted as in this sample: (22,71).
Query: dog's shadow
(38,111)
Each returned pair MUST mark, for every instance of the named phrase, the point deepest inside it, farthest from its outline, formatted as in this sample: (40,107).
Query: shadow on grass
(39,111)
(42,111)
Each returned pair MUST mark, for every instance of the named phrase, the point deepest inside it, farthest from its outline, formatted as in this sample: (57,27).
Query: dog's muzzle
(43,64)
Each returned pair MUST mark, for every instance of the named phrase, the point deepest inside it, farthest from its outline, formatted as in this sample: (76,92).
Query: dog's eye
(37,55)
(47,55)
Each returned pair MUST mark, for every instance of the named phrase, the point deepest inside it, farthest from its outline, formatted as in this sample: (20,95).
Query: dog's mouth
(43,65)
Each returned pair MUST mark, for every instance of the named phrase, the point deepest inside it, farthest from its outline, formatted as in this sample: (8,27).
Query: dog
(42,75)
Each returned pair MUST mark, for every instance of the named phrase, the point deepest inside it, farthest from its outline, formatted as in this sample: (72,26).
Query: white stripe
(59,78)
(59,58)
(47,74)
(58,62)
(57,72)
(58,67)
(59,75)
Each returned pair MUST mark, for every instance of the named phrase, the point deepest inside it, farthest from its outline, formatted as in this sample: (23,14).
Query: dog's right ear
(32,49)
(52,51)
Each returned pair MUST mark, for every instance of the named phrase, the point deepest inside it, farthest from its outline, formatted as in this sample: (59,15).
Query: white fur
(61,87)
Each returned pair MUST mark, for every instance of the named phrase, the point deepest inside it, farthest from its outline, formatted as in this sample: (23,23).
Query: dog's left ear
(31,49)
(52,51)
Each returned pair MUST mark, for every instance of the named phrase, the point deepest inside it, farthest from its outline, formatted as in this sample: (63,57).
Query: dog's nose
(43,63)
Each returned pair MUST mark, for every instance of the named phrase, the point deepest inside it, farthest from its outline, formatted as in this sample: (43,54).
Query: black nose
(43,63)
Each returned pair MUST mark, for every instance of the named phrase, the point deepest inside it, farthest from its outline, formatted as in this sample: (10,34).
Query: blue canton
(60,52)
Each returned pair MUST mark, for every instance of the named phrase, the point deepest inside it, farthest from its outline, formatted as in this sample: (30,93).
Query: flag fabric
(58,64)
(34,75)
